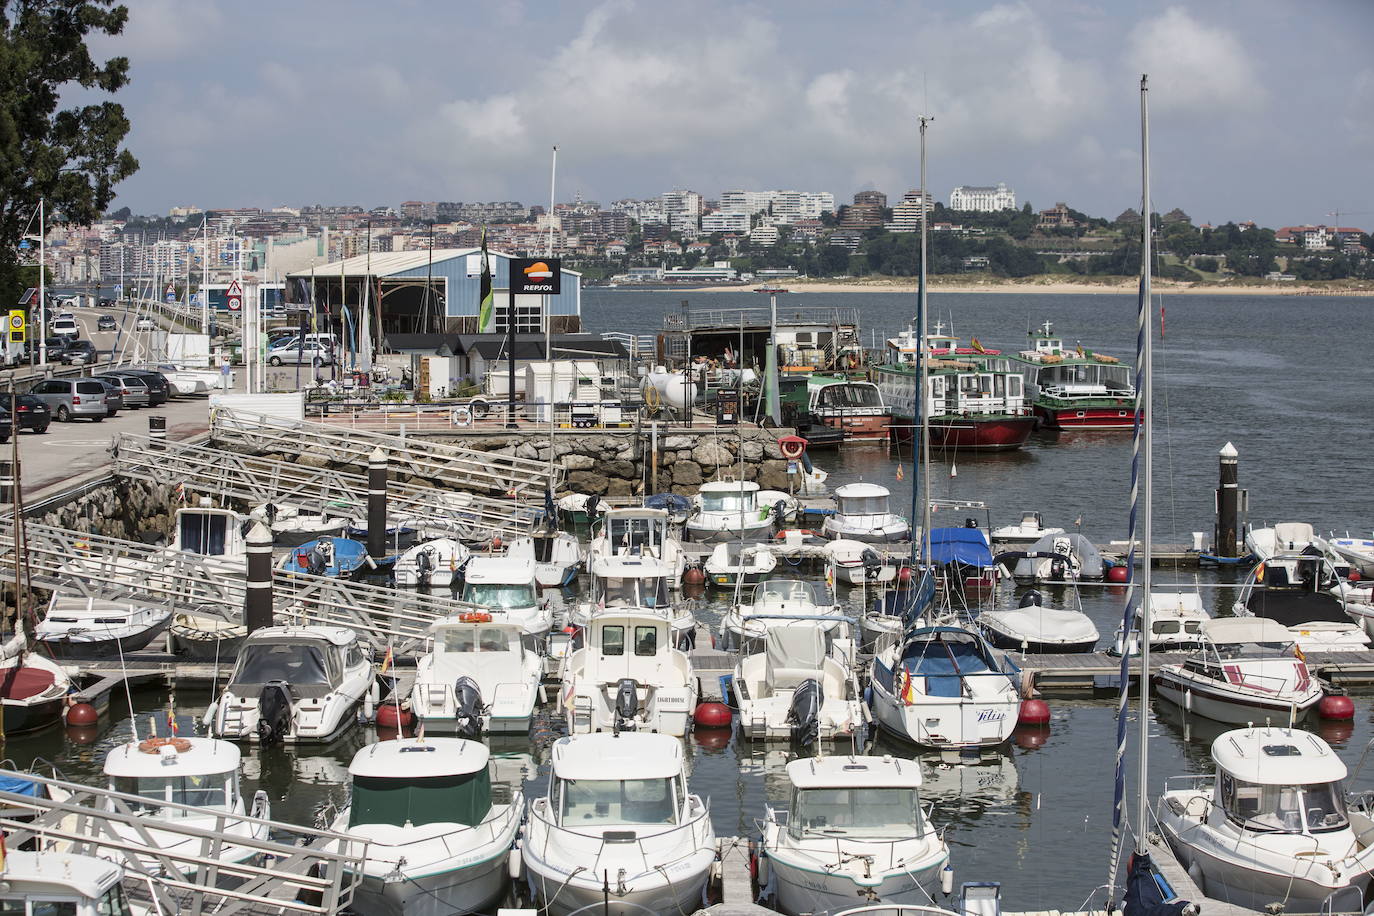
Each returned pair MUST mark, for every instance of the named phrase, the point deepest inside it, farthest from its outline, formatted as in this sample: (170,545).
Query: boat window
(613,640)
(593,802)
(296,663)
(1166,627)
(40,907)
(208,790)
(113,903)
(203,534)
(727,502)
(616,591)
(841,397)
(499,594)
(1307,808)
(403,799)
(633,535)
(464,640)
(1014,383)
(999,386)
(863,505)
(493,640)
(646,641)
(868,811)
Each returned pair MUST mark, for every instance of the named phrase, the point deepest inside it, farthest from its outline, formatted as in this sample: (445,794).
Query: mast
(922,363)
(1144,333)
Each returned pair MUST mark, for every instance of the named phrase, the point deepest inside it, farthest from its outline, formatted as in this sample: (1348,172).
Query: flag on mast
(485,296)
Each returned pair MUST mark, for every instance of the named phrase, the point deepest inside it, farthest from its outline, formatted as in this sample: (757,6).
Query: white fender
(515,862)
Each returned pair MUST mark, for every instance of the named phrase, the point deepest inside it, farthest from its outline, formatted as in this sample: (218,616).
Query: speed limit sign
(234,299)
(16,326)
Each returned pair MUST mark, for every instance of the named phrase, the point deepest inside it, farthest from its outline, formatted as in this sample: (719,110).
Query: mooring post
(257,604)
(7,480)
(376,503)
(157,431)
(1226,537)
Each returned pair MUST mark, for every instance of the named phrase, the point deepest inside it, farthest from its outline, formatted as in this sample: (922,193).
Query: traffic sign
(17,322)
(235,296)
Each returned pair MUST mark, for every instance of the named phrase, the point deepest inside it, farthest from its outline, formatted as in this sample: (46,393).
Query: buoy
(1118,574)
(712,715)
(1030,737)
(904,576)
(389,715)
(1336,706)
(693,575)
(1034,711)
(82,714)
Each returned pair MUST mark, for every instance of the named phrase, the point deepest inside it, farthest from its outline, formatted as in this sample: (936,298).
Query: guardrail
(474,416)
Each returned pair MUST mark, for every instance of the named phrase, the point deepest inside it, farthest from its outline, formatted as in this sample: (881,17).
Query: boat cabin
(633,531)
(411,782)
(629,581)
(855,406)
(62,884)
(500,582)
(209,532)
(870,797)
(728,496)
(313,660)
(862,500)
(648,787)
(469,635)
(628,646)
(1279,780)
(203,772)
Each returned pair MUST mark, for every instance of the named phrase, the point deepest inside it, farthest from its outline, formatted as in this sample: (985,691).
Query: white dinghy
(431,564)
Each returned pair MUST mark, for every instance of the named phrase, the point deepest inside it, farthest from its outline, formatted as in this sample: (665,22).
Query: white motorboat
(557,557)
(76,626)
(728,510)
(476,676)
(1176,620)
(862,514)
(774,603)
(628,675)
(64,883)
(1056,558)
(1245,670)
(945,687)
(620,581)
(33,688)
(855,562)
(293,684)
(731,562)
(292,526)
(439,834)
(855,830)
(618,830)
(1026,532)
(216,535)
(1358,552)
(1033,628)
(638,532)
(1297,587)
(1270,830)
(801,686)
(434,564)
(508,585)
(1293,537)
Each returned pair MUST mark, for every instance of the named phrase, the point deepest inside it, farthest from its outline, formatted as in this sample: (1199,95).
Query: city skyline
(350,103)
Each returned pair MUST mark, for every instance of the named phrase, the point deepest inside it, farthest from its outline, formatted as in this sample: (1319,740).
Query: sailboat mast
(1144,331)
(923,365)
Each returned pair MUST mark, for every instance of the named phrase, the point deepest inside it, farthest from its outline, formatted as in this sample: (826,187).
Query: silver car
(133,391)
(74,398)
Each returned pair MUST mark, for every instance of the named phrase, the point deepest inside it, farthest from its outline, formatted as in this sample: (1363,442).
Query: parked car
(65,327)
(77,351)
(159,389)
(314,352)
(6,427)
(114,396)
(132,389)
(106,303)
(106,323)
(145,324)
(73,398)
(33,413)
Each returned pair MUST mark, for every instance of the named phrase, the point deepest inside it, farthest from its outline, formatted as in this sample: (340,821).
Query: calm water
(1287,380)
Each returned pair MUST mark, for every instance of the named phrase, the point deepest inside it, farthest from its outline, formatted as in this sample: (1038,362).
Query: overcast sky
(1260,109)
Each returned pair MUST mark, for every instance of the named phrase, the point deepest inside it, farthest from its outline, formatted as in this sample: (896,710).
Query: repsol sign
(535,276)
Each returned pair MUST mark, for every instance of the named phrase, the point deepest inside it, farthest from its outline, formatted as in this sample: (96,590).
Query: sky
(1259,109)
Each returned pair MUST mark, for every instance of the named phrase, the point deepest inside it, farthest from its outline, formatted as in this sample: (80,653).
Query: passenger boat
(732,562)
(1271,830)
(863,513)
(799,686)
(618,830)
(1245,670)
(33,688)
(639,532)
(628,676)
(1076,389)
(507,585)
(439,834)
(856,407)
(855,830)
(293,684)
(434,564)
(1033,628)
(773,603)
(476,677)
(1030,529)
(729,510)
(332,557)
(1176,620)
(79,627)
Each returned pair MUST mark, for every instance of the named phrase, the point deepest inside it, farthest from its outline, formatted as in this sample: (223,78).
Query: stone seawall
(118,508)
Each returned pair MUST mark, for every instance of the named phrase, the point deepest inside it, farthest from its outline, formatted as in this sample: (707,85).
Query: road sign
(235,296)
(17,321)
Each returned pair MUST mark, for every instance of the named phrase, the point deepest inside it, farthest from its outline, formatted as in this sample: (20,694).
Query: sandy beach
(1057,287)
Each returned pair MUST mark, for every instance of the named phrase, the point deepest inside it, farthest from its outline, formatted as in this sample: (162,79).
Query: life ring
(461,416)
(155,745)
(475,617)
(792,447)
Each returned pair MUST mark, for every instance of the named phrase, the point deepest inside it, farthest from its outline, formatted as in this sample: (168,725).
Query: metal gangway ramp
(258,480)
(117,570)
(176,867)
(457,467)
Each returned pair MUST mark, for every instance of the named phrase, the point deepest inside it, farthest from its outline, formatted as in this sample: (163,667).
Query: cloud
(1193,67)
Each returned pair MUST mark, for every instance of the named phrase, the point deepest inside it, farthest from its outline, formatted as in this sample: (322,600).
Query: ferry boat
(1076,389)
(854,406)
(809,338)
(975,398)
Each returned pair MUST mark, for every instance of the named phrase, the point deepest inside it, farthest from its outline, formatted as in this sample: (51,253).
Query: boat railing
(1192,782)
(689,319)
(491,829)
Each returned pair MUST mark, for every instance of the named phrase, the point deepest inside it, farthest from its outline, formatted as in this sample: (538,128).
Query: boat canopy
(1277,756)
(306,664)
(419,781)
(627,756)
(1256,630)
(968,546)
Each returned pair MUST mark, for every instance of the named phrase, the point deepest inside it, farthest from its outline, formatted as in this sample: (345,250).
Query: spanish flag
(830,576)
(977,346)
(1079,348)
(900,474)
(172,719)
(387,660)
(1298,653)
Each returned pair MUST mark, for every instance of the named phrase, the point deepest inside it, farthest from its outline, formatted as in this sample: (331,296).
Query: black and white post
(1226,537)
(257,604)
(376,503)
(6,481)
(157,431)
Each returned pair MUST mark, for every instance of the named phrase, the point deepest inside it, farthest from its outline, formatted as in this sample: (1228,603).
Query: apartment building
(982,199)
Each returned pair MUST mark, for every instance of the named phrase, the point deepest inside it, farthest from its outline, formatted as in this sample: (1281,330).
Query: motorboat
(638,532)
(1056,558)
(557,557)
(945,687)
(76,626)
(293,684)
(578,509)
(434,564)
(439,833)
(855,830)
(732,562)
(476,677)
(1294,587)
(332,557)
(1358,552)
(214,535)
(962,560)
(800,686)
(507,585)
(205,638)
(620,581)
(1292,537)
(1033,628)
(1073,387)
(292,526)
(1271,829)
(884,619)
(862,514)
(1176,620)
(628,675)
(1030,529)
(64,883)
(1245,670)
(618,830)
(853,407)
(33,688)
(859,563)
(728,510)
(774,603)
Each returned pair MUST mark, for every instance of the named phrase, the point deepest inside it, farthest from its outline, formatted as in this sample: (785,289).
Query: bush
(1179,272)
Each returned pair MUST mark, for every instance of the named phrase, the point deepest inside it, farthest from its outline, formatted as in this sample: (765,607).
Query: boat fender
(1195,872)
(461,416)
(208,720)
(1188,700)
(369,707)
(760,868)
(514,863)
(947,879)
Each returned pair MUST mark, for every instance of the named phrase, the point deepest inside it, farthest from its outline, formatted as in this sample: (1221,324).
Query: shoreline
(1032,286)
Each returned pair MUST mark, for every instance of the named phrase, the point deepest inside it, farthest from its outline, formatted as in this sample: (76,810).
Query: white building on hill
(983,200)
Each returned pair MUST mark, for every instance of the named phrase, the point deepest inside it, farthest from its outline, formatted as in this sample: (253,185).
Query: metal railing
(692,319)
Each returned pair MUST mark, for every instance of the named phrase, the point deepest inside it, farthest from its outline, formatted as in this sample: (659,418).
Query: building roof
(493,346)
(1277,756)
(629,755)
(387,263)
(419,758)
(845,772)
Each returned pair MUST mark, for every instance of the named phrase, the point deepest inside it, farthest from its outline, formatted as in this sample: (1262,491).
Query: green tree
(70,157)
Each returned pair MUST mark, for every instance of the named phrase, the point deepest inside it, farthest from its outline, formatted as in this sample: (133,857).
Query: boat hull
(990,434)
(104,648)
(1220,706)
(1032,647)
(1114,417)
(800,890)
(475,888)
(30,717)
(562,896)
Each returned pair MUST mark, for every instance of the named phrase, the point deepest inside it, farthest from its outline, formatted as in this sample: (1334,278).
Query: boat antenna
(923,293)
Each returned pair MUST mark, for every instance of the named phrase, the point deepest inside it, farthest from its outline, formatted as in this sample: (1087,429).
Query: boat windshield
(208,790)
(476,639)
(848,396)
(727,502)
(299,664)
(866,811)
(634,535)
(598,802)
(632,592)
(863,505)
(499,594)
(203,533)
(1310,808)
(789,591)
(413,801)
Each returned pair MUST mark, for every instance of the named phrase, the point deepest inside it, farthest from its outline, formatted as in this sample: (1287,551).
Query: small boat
(728,510)
(1055,558)
(1033,628)
(400,533)
(293,684)
(507,585)
(618,831)
(1245,670)
(732,562)
(557,557)
(1293,537)
(965,569)
(1293,588)
(33,688)
(853,407)
(578,509)
(774,603)
(439,834)
(1271,830)
(628,675)
(292,525)
(1358,552)
(862,514)
(432,564)
(64,883)
(858,563)
(855,830)
(476,677)
(801,686)
(1176,620)
(1026,532)
(79,627)
(638,532)
(205,638)
(333,557)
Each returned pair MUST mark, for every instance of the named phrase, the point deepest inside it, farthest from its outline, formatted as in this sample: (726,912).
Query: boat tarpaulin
(968,546)
(18,786)
(1148,893)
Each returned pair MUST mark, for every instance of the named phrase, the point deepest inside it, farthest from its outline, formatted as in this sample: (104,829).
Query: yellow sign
(17,320)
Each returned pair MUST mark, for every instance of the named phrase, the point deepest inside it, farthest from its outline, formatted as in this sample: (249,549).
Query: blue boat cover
(673,502)
(960,545)
(1148,893)
(18,786)
(944,664)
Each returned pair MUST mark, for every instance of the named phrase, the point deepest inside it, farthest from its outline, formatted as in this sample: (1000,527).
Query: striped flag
(486,297)
(171,719)
(387,660)
(900,474)
(977,346)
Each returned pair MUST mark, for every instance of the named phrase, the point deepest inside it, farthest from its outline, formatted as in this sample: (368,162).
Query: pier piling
(1226,537)
(257,599)
(157,431)
(376,503)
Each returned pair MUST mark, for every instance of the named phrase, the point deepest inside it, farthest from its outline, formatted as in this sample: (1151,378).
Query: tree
(71,158)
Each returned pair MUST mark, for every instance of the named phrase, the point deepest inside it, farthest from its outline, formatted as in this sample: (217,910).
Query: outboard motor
(592,502)
(626,703)
(274,712)
(1032,598)
(780,512)
(424,565)
(467,703)
(873,563)
(805,712)
(318,560)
